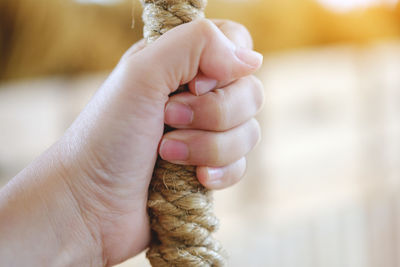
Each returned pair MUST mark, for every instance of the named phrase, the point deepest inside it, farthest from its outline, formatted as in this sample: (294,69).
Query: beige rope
(180,208)
(159,16)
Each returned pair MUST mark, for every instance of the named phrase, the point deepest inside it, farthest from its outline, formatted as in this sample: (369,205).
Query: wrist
(41,221)
(76,230)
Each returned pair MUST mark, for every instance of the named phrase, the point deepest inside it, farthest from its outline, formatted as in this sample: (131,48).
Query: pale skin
(83,202)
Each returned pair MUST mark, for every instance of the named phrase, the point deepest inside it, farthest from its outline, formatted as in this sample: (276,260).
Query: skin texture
(84,200)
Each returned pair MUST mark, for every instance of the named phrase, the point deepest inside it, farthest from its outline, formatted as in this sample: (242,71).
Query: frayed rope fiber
(180,208)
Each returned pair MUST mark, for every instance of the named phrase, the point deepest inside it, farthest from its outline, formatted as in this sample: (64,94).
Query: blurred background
(322,188)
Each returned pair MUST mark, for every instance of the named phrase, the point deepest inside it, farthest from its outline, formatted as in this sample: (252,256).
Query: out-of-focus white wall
(346,5)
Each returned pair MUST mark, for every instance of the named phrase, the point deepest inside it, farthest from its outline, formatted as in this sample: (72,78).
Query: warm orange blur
(281,25)
(42,37)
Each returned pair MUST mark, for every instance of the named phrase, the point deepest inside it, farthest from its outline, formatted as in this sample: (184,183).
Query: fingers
(240,37)
(219,110)
(215,149)
(223,177)
(236,32)
(205,48)
(212,56)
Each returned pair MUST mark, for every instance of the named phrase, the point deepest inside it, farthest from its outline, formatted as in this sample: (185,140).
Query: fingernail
(249,57)
(178,114)
(204,84)
(215,175)
(173,150)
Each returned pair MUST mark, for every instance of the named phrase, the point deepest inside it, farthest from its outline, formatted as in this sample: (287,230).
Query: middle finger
(219,110)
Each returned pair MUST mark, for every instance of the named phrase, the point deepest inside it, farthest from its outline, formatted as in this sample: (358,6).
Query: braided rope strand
(159,16)
(180,208)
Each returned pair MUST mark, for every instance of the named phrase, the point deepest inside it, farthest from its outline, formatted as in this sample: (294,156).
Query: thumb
(176,57)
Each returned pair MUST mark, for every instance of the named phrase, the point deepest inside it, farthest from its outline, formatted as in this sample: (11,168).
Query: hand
(105,160)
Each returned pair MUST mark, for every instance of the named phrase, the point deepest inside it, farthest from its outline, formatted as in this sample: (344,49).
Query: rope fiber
(180,208)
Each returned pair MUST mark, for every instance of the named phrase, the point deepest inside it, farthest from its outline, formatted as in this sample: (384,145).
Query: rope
(180,208)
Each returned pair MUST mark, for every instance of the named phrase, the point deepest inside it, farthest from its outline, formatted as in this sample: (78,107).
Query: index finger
(236,32)
(240,37)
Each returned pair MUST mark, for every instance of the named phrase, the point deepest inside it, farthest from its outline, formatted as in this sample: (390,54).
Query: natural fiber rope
(180,208)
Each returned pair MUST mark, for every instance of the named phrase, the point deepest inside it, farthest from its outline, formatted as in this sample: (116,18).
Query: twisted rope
(180,208)
(159,16)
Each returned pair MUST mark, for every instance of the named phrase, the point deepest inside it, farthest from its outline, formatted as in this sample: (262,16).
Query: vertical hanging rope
(180,208)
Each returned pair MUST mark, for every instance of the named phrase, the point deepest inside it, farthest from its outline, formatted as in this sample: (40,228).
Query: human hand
(108,154)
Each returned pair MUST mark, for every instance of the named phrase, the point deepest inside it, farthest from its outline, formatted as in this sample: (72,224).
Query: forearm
(40,221)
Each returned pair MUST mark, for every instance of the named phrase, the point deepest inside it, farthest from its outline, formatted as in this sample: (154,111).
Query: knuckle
(258,92)
(215,158)
(241,30)
(255,129)
(220,117)
(235,172)
(241,166)
(237,32)
(204,27)
(235,26)
(244,166)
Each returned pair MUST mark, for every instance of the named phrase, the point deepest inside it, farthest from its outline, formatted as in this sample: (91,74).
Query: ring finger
(214,149)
